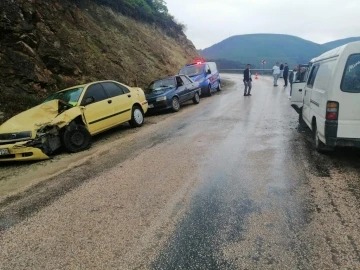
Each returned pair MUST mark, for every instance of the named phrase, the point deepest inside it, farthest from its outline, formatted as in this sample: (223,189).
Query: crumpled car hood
(32,119)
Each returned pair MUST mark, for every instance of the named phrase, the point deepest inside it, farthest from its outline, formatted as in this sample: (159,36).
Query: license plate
(151,106)
(4,152)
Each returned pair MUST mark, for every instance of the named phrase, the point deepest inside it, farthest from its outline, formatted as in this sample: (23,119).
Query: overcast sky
(211,21)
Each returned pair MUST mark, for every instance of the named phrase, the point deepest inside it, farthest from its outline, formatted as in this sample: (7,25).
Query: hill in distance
(337,43)
(273,48)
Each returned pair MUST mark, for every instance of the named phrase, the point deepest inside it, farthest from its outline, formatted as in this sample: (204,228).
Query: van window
(213,67)
(351,78)
(324,75)
(311,80)
(208,68)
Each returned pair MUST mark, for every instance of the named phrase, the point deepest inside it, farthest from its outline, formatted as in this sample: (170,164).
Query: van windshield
(351,77)
(194,70)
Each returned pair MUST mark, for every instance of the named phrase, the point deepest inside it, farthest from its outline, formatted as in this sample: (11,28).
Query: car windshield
(193,70)
(161,85)
(70,96)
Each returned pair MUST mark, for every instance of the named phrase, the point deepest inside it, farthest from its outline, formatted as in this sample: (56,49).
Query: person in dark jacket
(247,80)
(281,70)
(286,74)
(301,75)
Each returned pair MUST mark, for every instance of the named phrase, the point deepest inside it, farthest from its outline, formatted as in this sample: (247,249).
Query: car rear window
(112,90)
(351,77)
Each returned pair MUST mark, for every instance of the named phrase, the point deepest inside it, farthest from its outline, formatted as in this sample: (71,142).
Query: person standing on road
(293,77)
(281,70)
(286,74)
(276,73)
(301,75)
(247,80)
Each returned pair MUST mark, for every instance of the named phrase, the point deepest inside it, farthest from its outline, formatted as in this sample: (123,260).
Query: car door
(297,96)
(181,89)
(209,75)
(308,93)
(98,108)
(121,99)
(188,88)
(298,90)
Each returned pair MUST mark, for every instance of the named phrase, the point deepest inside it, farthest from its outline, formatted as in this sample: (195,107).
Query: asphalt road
(231,183)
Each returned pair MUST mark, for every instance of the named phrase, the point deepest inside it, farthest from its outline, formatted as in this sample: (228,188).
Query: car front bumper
(20,152)
(159,105)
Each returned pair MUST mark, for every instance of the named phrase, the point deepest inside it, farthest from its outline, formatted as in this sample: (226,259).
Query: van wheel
(175,104)
(219,87)
(209,92)
(76,138)
(137,117)
(318,144)
(196,98)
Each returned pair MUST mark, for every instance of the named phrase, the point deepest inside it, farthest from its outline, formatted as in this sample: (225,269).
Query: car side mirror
(89,100)
(208,72)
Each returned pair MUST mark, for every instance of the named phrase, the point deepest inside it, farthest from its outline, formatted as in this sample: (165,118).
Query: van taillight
(332,110)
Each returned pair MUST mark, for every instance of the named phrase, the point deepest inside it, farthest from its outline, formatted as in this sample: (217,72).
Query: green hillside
(270,47)
(334,44)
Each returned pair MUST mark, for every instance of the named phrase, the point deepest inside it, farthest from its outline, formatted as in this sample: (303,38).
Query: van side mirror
(89,100)
(208,72)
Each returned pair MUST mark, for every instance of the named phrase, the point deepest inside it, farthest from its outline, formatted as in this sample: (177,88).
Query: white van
(328,102)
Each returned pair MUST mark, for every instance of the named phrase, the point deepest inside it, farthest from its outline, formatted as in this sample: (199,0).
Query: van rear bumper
(334,137)
(343,142)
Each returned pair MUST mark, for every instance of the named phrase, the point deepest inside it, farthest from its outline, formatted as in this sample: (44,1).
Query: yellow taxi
(69,118)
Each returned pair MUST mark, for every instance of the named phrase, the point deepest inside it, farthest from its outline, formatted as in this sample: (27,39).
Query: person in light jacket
(276,73)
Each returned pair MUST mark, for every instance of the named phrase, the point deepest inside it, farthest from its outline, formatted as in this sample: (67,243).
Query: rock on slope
(48,45)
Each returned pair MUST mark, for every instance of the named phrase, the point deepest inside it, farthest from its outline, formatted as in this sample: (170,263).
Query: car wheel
(137,117)
(175,104)
(76,138)
(219,87)
(318,144)
(196,98)
(209,92)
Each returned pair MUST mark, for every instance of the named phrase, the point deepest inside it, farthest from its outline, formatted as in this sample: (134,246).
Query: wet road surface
(232,183)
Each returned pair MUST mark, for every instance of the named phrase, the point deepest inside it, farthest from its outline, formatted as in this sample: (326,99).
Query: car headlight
(161,98)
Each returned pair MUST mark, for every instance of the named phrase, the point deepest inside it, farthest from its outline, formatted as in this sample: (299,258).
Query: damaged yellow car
(69,119)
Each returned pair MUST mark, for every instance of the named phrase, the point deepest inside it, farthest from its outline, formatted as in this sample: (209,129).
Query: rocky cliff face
(49,45)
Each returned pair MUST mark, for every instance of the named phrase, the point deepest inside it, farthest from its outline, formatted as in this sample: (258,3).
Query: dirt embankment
(49,45)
